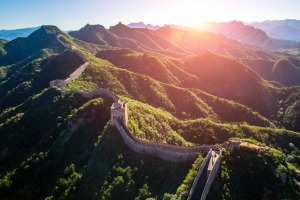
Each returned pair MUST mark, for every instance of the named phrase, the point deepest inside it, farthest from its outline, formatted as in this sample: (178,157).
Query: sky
(74,14)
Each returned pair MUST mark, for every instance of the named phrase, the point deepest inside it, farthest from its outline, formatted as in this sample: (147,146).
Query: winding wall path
(58,83)
(205,176)
(163,151)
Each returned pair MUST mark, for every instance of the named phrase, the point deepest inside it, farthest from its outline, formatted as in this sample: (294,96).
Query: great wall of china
(62,82)
(119,118)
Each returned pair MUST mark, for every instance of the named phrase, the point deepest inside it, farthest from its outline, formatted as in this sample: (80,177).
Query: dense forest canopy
(184,87)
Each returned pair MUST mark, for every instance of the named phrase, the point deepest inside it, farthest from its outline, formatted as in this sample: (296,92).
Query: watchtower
(119,110)
(57,83)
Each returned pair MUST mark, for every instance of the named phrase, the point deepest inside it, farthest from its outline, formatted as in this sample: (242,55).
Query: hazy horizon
(2,29)
(74,14)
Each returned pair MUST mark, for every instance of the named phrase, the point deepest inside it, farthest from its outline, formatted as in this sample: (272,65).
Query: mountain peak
(119,27)
(167,29)
(96,34)
(50,29)
(44,32)
(94,28)
(23,47)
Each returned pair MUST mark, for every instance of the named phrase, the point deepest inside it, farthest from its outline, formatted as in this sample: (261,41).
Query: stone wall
(165,152)
(211,177)
(71,48)
(77,72)
(207,158)
(61,42)
(60,82)
(97,92)
(57,83)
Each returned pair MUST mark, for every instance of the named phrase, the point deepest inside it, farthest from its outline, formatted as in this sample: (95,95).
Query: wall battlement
(119,110)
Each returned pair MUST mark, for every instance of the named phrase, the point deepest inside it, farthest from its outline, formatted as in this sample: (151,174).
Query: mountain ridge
(15,33)
(73,149)
(22,48)
(282,29)
(246,34)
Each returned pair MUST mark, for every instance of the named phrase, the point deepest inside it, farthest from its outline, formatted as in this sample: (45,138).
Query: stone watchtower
(119,110)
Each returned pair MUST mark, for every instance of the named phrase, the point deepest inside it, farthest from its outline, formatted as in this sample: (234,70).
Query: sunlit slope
(285,71)
(166,40)
(180,101)
(159,67)
(169,41)
(246,34)
(97,34)
(227,78)
(61,146)
(221,76)
(215,74)
(218,75)
(154,124)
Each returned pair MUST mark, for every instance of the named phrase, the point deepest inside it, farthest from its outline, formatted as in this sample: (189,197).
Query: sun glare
(190,14)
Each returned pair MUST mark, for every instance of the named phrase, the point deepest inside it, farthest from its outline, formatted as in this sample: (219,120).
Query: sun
(189,14)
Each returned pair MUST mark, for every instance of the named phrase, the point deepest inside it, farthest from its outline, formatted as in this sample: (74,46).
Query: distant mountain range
(176,42)
(143,25)
(267,33)
(246,34)
(12,34)
(166,40)
(288,29)
(266,36)
(153,27)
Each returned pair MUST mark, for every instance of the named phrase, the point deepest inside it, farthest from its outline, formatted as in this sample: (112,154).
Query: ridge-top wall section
(165,152)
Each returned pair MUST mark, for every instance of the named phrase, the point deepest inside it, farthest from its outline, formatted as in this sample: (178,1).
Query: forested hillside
(184,88)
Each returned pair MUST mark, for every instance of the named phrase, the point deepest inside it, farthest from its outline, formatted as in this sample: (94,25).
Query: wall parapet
(77,72)
(199,173)
(99,92)
(163,151)
(211,177)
